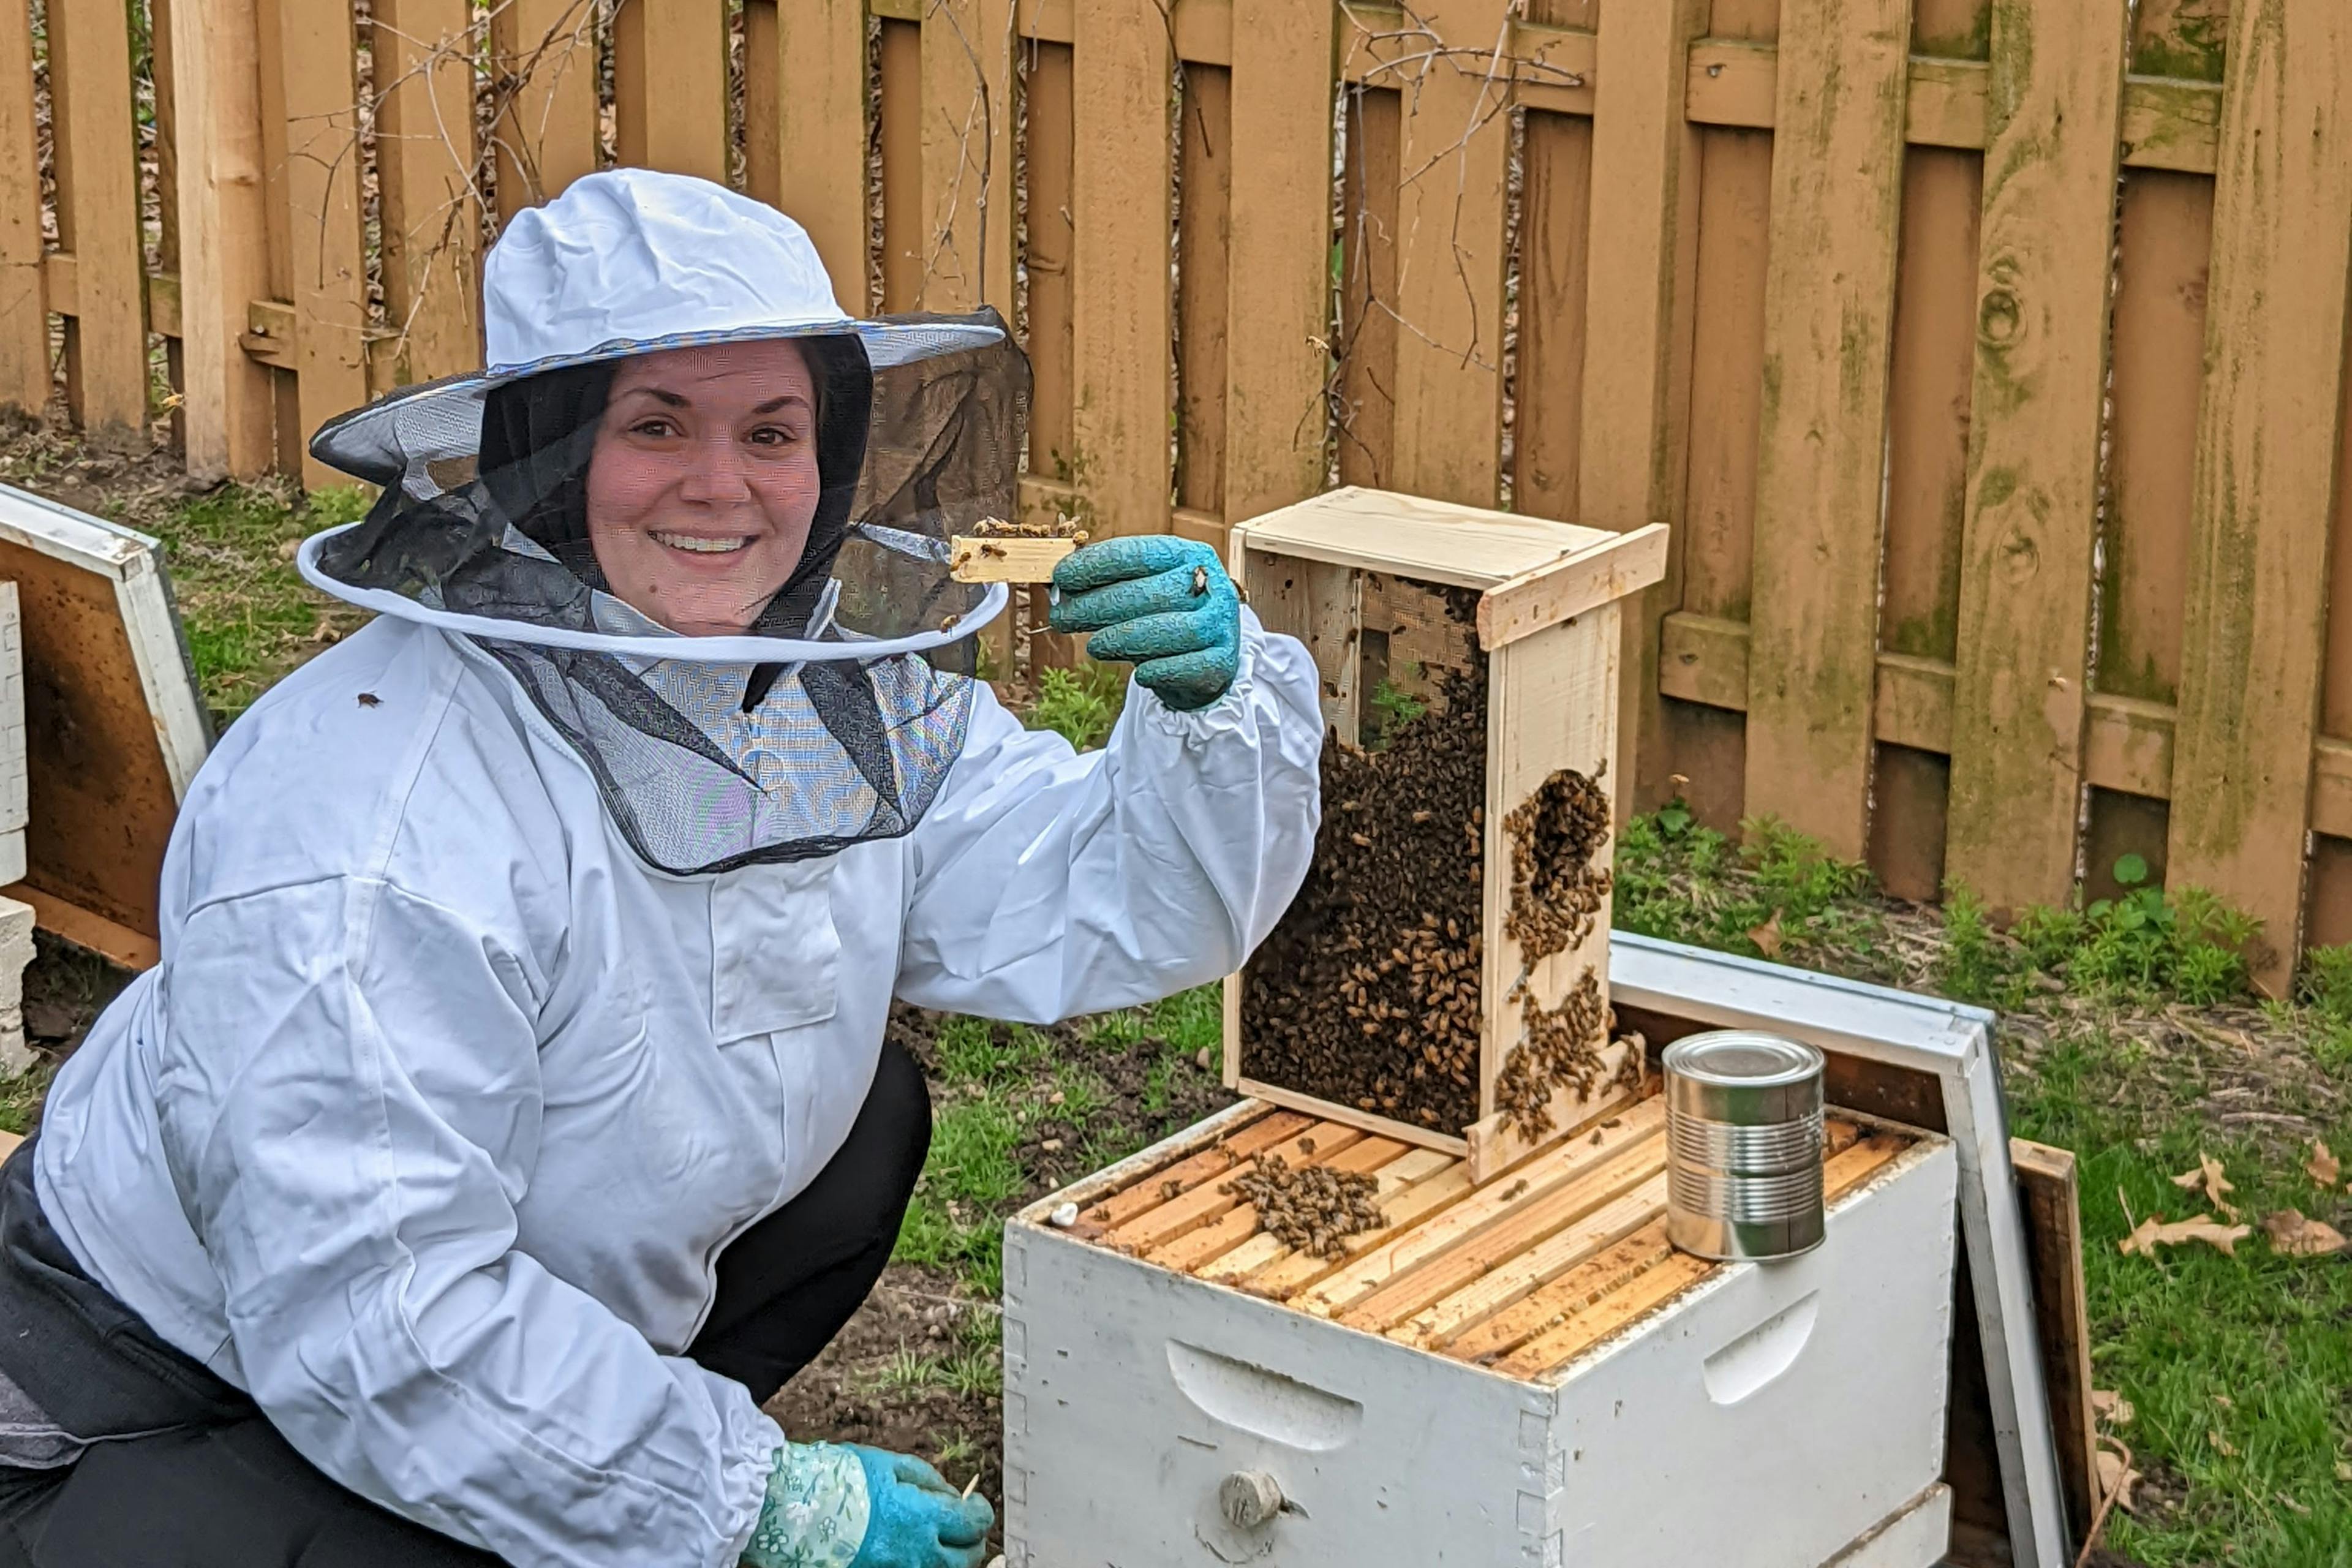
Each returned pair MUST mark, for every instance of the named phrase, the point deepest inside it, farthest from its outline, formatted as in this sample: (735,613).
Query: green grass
(2239,1369)
(1772,893)
(249,617)
(997,1083)
(20,1098)
(1080,705)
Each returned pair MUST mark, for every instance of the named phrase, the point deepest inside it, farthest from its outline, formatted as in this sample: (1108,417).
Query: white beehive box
(1662,1410)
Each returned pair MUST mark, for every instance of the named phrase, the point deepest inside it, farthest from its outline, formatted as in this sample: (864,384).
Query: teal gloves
(846,1506)
(1159,603)
(916,1519)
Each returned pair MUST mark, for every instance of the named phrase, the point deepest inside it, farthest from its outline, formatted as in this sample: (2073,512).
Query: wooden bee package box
(1441,978)
(1210,1359)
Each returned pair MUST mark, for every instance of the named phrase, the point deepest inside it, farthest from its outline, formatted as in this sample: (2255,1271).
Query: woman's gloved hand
(916,1519)
(846,1506)
(1159,603)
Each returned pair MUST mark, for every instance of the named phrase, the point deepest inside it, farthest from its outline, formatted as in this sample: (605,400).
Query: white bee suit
(429,1127)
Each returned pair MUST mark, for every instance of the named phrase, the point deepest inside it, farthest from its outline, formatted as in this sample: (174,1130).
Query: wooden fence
(1987,356)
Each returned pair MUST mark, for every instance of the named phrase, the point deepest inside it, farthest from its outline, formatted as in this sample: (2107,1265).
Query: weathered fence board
(820,132)
(24,374)
(98,215)
(1279,251)
(1456,148)
(1121,301)
(1365,430)
(1837,181)
(1933,358)
(320,189)
(1641,236)
(547,134)
(1204,176)
(669,85)
(2267,439)
(2036,415)
(426,167)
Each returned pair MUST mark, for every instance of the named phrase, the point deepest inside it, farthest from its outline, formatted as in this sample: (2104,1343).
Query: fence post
(669,85)
(1449,277)
(546,135)
(426,170)
(98,216)
(821,134)
(2267,442)
(224,237)
(1121,297)
(322,188)
(1631,464)
(1829,300)
(1277,262)
(2036,426)
(25,374)
(968,119)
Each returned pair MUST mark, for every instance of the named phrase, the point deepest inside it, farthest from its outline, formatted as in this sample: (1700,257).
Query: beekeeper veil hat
(835,717)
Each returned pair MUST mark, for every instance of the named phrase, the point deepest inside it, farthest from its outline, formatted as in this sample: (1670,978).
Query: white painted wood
(1132,1393)
(1953,1041)
(1917,1538)
(134,562)
(15,799)
(1803,1401)
(15,953)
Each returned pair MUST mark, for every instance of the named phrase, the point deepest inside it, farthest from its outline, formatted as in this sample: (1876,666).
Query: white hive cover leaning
(114,727)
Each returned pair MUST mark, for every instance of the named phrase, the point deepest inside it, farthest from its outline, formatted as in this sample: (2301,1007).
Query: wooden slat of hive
(1489,1207)
(1189,1173)
(1640,1176)
(1520,1273)
(1608,1271)
(1208,1200)
(1650,1288)
(1239,1223)
(1265,1250)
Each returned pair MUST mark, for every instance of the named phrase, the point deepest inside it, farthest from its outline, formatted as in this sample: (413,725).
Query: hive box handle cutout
(1262,1403)
(1763,1352)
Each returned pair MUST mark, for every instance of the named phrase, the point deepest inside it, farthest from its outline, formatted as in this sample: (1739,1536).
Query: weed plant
(1773,894)
(1079,705)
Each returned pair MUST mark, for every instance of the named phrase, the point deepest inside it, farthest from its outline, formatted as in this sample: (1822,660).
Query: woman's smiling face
(704,481)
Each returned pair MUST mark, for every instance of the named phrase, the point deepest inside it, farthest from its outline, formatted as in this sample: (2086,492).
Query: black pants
(226,1492)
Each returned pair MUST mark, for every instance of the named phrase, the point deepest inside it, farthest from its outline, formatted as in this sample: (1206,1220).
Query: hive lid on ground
(115,728)
(1533,571)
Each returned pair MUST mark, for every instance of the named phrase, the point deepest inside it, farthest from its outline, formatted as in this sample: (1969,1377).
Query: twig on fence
(982,104)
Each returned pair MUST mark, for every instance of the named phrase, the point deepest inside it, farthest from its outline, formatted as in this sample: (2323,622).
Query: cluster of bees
(1559,876)
(1062,526)
(1313,1209)
(1367,992)
(1562,1046)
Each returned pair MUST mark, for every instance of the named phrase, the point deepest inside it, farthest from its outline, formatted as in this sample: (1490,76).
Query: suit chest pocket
(774,950)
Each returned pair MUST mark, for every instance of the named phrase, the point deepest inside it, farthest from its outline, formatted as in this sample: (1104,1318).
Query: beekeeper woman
(510,1114)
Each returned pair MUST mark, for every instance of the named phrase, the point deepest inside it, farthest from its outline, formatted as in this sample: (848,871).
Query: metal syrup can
(1743,1145)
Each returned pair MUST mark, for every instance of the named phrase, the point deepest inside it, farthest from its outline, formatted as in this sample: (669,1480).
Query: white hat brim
(887,344)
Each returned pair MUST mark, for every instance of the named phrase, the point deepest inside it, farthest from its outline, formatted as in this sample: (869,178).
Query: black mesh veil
(835,717)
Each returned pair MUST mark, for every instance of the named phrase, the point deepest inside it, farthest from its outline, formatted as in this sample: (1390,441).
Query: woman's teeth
(700,546)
